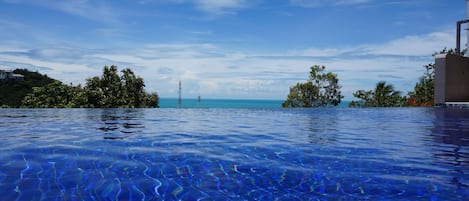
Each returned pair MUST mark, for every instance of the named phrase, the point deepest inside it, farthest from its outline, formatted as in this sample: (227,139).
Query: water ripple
(234,154)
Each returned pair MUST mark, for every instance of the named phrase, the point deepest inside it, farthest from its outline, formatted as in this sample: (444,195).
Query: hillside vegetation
(110,90)
(12,92)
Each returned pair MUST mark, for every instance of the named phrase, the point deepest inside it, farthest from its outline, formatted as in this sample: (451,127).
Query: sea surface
(234,154)
(226,103)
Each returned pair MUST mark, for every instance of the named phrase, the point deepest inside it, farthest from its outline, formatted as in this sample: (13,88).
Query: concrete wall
(451,79)
(440,79)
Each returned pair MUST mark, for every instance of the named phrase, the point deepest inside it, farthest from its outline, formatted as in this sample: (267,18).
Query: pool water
(234,154)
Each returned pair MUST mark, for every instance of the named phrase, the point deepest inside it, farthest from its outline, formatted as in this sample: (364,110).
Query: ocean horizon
(227,103)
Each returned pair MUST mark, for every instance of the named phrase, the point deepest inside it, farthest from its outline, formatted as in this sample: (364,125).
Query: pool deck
(454,105)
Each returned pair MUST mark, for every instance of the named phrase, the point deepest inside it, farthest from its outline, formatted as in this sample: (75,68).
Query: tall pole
(458,32)
(180,95)
(458,35)
(467,33)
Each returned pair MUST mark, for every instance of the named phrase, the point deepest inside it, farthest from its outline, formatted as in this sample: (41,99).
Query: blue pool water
(234,154)
(226,103)
(220,103)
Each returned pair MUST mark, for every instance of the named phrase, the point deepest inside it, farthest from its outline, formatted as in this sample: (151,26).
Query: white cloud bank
(214,71)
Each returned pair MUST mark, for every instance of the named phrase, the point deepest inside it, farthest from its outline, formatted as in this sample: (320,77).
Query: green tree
(108,91)
(112,91)
(384,95)
(79,98)
(93,93)
(133,93)
(320,90)
(151,100)
(425,87)
(12,92)
(53,95)
(111,86)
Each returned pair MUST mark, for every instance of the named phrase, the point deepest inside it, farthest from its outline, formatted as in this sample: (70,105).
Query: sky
(235,49)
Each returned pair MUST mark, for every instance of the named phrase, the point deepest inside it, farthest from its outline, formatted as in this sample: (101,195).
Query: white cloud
(92,10)
(315,52)
(318,3)
(219,6)
(215,71)
(201,32)
(416,45)
(214,7)
(352,1)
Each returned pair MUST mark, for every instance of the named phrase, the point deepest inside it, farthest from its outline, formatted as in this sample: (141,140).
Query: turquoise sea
(226,103)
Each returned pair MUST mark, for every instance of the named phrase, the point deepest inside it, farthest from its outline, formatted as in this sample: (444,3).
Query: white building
(3,75)
(8,74)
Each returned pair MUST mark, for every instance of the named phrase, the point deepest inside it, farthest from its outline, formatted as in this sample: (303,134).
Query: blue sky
(241,49)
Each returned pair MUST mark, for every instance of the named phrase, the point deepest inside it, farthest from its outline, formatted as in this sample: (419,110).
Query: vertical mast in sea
(180,96)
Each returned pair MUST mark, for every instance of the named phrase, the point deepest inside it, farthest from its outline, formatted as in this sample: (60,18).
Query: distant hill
(12,92)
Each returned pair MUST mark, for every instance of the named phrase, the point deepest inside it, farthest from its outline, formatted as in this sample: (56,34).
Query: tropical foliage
(321,89)
(424,89)
(108,91)
(12,92)
(53,95)
(384,95)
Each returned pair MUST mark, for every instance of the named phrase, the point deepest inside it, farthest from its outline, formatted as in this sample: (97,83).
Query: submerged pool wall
(451,80)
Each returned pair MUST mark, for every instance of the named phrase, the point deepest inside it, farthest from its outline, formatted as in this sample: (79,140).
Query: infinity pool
(234,154)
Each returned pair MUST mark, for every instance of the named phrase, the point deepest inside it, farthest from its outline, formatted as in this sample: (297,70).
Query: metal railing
(458,36)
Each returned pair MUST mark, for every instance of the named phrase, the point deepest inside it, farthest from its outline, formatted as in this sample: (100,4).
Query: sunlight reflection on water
(233,154)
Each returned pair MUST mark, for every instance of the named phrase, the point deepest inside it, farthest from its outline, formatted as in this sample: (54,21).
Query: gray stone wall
(451,79)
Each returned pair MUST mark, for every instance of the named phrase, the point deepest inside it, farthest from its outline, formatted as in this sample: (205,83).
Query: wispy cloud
(220,6)
(319,3)
(212,7)
(201,32)
(92,10)
(212,70)
(415,45)
(406,3)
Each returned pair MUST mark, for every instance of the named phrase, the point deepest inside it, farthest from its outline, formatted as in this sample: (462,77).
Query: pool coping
(454,105)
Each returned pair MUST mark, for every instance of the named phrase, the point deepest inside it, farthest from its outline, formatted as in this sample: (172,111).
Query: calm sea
(226,103)
(234,154)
